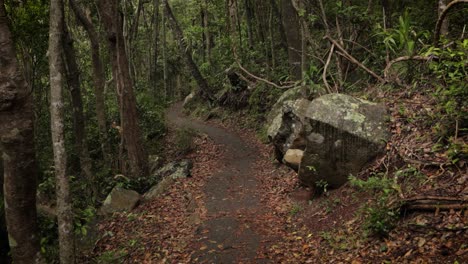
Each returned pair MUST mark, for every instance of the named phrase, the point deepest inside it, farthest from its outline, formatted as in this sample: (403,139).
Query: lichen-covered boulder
(168,175)
(342,134)
(175,169)
(119,200)
(285,129)
(292,94)
(329,138)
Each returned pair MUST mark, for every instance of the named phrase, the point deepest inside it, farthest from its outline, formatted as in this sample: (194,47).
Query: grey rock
(338,133)
(154,163)
(175,169)
(168,175)
(285,129)
(119,200)
(188,99)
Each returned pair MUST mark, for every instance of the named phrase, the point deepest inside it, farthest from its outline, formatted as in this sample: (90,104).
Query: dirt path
(232,200)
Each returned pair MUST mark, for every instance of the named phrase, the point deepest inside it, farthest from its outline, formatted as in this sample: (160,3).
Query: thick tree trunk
(98,80)
(79,124)
(293,37)
(132,136)
(64,208)
(17,145)
(187,53)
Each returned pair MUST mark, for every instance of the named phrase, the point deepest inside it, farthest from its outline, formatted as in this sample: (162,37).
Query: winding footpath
(231,199)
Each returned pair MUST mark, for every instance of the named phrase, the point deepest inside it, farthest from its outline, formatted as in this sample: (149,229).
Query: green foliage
(112,257)
(184,140)
(450,68)
(262,99)
(322,186)
(381,216)
(295,209)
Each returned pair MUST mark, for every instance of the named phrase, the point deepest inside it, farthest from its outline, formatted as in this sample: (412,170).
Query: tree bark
(281,29)
(154,61)
(187,53)
(442,17)
(249,19)
(79,124)
(293,37)
(131,132)
(98,80)
(17,145)
(64,208)
(442,4)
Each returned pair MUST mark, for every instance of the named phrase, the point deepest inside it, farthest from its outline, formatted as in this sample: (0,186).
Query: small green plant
(382,215)
(322,185)
(184,140)
(112,256)
(295,209)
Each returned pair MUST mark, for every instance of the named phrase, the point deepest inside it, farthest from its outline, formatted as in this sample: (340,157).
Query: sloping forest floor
(241,206)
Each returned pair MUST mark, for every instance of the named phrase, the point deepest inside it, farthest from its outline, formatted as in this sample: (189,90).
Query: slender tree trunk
(281,29)
(206,31)
(98,80)
(164,51)
(187,53)
(293,37)
(444,29)
(272,41)
(17,145)
(249,19)
(79,124)
(132,136)
(64,209)
(154,61)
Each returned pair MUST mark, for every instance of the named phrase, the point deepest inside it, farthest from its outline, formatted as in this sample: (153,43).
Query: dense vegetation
(237,55)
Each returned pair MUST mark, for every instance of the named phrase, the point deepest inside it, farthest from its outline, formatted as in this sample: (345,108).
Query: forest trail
(232,199)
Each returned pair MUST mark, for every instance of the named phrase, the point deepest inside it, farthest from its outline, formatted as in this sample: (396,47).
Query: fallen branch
(324,74)
(262,79)
(403,58)
(435,203)
(442,18)
(348,56)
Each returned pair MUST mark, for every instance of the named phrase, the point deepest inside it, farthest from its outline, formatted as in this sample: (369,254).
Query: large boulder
(169,174)
(337,133)
(286,128)
(175,169)
(119,200)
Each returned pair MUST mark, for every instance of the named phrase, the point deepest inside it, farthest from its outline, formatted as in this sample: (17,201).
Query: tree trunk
(17,145)
(186,51)
(293,37)
(79,125)
(281,29)
(164,52)
(98,80)
(154,61)
(207,45)
(64,208)
(132,136)
(249,19)
(444,28)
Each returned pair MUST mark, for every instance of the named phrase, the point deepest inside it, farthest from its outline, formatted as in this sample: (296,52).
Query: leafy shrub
(449,67)
(184,140)
(380,217)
